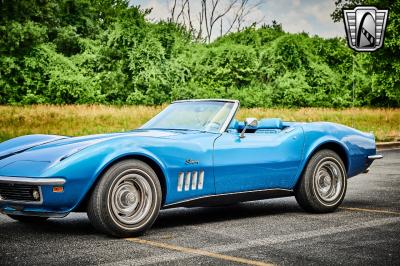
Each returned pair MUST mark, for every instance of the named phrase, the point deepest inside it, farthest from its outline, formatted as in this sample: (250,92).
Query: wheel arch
(335,146)
(338,148)
(146,159)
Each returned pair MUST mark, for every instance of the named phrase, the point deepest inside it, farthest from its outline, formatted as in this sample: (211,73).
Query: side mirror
(249,122)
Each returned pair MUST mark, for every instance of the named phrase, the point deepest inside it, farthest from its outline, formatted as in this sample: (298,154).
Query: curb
(388,145)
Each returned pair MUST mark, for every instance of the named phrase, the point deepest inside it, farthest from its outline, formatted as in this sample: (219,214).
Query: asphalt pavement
(365,230)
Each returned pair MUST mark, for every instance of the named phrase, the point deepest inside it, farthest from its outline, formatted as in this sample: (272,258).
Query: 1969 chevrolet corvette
(194,153)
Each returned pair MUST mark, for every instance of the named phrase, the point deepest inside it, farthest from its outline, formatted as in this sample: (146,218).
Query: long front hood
(35,153)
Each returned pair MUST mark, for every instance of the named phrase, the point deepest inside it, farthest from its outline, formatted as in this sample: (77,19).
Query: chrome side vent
(194,180)
(190,180)
(201,180)
(187,180)
(180,181)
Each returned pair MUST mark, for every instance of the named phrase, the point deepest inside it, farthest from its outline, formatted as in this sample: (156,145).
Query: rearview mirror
(249,122)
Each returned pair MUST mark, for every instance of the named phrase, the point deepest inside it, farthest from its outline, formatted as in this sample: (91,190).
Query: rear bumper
(375,157)
(371,158)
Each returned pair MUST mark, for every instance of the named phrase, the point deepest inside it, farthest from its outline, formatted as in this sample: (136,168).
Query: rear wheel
(323,185)
(27,219)
(126,200)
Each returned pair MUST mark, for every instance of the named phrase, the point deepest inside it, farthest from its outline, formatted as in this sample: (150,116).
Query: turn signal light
(58,189)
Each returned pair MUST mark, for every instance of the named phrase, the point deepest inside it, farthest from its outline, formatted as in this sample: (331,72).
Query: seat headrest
(270,123)
(234,124)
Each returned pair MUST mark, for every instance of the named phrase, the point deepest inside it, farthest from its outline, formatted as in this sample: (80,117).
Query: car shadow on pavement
(79,225)
(194,216)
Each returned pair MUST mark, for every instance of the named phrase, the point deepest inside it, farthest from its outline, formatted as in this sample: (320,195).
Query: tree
(229,15)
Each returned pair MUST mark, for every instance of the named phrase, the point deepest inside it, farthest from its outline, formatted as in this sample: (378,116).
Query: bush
(97,51)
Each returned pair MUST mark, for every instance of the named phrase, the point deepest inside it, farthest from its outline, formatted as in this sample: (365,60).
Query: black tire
(27,219)
(317,190)
(130,187)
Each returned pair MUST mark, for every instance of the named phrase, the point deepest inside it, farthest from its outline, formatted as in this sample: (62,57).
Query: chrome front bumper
(32,181)
(16,190)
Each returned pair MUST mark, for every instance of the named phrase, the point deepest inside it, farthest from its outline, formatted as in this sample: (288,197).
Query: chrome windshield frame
(231,115)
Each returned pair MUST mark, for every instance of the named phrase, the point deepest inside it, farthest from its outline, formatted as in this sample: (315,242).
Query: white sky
(311,16)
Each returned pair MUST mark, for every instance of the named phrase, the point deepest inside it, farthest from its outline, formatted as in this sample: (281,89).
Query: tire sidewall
(110,179)
(340,197)
(306,193)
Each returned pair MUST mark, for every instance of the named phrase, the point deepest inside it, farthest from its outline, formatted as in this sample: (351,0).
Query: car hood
(38,151)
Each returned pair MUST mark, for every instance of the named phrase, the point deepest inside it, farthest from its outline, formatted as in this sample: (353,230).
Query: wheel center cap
(327,181)
(130,198)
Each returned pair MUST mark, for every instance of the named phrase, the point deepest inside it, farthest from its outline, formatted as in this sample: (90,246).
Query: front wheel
(323,184)
(126,200)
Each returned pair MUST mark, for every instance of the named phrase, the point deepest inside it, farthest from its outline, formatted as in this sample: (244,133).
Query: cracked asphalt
(365,230)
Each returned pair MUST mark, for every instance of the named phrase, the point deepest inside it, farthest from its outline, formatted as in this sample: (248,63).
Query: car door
(260,160)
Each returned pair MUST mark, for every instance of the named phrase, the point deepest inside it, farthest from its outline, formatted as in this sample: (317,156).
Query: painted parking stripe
(369,210)
(268,241)
(197,252)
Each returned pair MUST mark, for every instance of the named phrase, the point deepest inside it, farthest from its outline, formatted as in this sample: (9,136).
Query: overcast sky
(311,16)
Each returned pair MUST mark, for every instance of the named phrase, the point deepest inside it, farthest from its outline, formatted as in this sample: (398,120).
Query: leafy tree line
(104,51)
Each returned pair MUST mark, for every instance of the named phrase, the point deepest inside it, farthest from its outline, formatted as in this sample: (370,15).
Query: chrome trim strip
(226,194)
(32,181)
(375,157)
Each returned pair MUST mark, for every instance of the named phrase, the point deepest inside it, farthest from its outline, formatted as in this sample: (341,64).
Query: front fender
(82,169)
(19,144)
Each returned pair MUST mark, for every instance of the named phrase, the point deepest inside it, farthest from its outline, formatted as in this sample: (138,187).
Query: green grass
(77,120)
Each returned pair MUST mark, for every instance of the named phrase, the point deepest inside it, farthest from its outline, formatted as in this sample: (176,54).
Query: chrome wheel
(328,180)
(323,184)
(131,197)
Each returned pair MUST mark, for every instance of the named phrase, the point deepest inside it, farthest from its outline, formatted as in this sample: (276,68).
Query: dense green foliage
(103,51)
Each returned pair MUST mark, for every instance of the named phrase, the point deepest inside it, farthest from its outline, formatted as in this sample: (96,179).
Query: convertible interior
(266,126)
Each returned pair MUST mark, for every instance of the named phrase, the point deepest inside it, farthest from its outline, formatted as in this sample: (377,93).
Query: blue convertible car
(194,153)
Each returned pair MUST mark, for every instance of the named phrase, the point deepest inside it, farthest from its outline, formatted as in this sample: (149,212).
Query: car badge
(190,161)
(365,28)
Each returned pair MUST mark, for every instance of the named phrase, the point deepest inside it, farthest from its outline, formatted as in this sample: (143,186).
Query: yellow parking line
(198,252)
(369,210)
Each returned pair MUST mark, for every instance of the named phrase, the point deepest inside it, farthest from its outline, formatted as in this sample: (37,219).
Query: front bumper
(16,195)
(32,181)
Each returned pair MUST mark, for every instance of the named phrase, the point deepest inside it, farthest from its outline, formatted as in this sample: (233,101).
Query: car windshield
(192,115)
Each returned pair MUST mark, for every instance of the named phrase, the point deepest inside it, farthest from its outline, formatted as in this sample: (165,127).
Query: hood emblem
(190,161)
